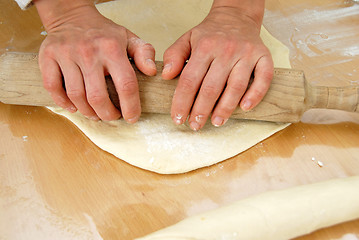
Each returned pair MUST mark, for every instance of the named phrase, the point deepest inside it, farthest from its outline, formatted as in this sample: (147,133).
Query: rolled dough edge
(80,123)
(273,215)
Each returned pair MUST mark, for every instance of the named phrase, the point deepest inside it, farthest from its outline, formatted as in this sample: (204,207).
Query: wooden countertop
(56,184)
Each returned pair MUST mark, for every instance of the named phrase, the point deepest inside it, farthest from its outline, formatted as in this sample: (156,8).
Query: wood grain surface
(288,97)
(56,184)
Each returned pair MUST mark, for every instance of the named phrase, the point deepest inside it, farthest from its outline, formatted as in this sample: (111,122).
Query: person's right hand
(81,48)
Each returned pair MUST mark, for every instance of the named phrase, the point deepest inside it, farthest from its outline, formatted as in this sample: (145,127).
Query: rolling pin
(289,96)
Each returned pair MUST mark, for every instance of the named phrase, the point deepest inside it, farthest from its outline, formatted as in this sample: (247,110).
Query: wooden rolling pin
(289,96)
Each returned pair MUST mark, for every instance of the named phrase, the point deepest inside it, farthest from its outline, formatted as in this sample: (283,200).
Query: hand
(223,52)
(82,47)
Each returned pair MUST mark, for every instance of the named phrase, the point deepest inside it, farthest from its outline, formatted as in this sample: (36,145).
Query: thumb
(142,53)
(175,56)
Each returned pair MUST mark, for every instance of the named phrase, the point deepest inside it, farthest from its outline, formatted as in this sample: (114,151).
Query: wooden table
(56,184)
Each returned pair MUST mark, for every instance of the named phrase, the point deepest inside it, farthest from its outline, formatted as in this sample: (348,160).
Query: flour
(155,143)
(322,40)
(273,215)
(26,215)
(166,138)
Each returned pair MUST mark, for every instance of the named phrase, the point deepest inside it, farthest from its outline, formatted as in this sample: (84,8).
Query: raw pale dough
(276,215)
(161,23)
(155,143)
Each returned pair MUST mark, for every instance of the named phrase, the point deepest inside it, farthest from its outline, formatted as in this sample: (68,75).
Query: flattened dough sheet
(155,143)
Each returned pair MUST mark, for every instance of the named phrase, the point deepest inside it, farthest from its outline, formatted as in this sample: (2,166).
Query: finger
(211,88)
(52,80)
(175,57)
(75,89)
(142,53)
(97,94)
(236,87)
(126,84)
(263,75)
(187,87)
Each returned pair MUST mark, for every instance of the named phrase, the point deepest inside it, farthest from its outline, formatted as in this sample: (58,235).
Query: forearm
(55,12)
(252,8)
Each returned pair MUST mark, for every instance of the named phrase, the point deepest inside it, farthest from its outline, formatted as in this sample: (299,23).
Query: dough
(276,215)
(155,143)
(162,23)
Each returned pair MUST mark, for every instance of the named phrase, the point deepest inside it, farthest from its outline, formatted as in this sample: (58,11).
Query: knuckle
(248,48)
(96,98)
(147,46)
(66,48)
(113,49)
(258,93)
(52,46)
(238,86)
(226,110)
(230,47)
(145,50)
(267,75)
(47,50)
(87,51)
(50,85)
(206,44)
(210,91)
(110,44)
(75,94)
(171,53)
(174,53)
(186,84)
(128,86)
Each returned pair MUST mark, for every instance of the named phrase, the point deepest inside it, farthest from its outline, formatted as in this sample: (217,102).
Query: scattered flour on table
(26,215)
(349,236)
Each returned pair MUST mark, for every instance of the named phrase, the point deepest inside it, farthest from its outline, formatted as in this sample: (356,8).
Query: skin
(223,52)
(82,47)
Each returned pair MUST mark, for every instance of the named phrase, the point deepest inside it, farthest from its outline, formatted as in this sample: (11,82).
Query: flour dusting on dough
(155,143)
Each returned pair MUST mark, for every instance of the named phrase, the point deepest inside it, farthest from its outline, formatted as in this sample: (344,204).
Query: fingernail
(167,68)
(199,118)
(71,109)
(178,119)
(149,62)
(132,120)
(246,105)
(194,126)
(94,118)
(218,121)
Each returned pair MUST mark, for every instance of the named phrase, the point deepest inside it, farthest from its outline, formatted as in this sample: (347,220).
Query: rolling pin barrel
(287,99)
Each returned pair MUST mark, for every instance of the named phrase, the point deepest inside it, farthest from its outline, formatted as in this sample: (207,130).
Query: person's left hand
(222,53)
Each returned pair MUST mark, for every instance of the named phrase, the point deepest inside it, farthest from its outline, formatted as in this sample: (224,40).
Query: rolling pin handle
(340,98)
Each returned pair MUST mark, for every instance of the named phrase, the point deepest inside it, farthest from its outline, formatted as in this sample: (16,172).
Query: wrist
(55,12)
(254,9)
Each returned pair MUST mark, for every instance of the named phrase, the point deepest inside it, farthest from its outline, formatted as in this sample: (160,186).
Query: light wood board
(50,173)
